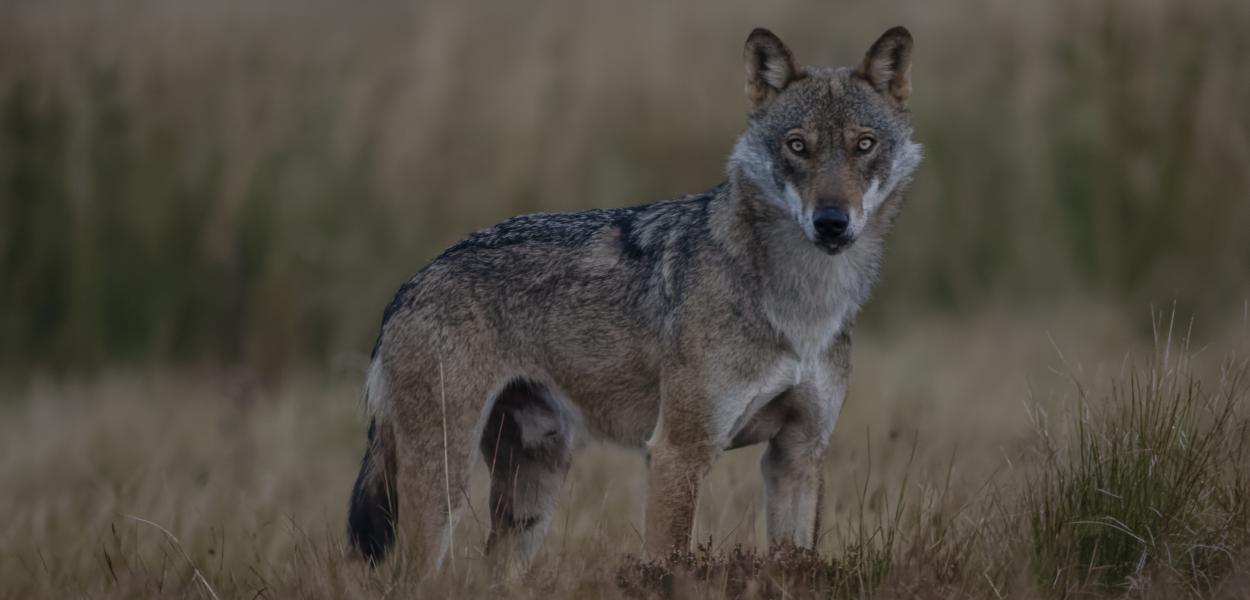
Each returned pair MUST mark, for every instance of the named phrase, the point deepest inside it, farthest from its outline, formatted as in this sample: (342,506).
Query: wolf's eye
(797,145)
(865,144)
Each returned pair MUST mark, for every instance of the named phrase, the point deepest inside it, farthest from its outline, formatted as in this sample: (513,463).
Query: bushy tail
(374,504)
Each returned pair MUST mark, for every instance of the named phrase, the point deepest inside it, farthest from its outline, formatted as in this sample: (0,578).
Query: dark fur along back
(374,508)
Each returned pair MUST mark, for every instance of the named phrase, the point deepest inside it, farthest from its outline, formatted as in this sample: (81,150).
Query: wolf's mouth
(834,247)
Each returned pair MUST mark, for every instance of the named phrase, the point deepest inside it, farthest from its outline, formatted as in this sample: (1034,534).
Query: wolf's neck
(805,293)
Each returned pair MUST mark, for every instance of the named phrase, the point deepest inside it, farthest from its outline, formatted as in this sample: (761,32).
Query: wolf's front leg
(680,452)
(793,464)
(675,473)
(794,487)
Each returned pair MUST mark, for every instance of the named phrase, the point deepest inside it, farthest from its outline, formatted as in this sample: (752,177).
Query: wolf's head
(828,146)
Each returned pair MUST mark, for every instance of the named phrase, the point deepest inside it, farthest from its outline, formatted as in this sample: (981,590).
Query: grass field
(204,207)
(956,472)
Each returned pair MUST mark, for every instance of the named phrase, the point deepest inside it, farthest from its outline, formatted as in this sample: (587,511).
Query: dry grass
(926,490)
(245,184)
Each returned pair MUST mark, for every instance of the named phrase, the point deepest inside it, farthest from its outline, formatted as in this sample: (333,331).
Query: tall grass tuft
(1148,484)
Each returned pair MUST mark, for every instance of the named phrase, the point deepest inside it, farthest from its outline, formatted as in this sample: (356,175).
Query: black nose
(830,223)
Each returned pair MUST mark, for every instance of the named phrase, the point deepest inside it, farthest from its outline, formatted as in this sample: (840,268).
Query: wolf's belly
(610,375)
(619,407)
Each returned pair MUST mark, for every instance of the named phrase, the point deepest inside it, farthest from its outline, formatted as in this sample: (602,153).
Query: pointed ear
(887,66)
(770,66)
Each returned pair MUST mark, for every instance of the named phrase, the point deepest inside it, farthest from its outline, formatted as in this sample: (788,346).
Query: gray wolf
(684,328)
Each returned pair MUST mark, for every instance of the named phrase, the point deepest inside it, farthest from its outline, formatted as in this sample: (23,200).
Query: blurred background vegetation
(199,196)
(247,183)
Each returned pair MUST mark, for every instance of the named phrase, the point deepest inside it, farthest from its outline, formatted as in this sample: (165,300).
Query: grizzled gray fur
(683,328)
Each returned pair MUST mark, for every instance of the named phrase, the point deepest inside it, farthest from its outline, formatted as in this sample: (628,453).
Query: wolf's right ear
(770,66)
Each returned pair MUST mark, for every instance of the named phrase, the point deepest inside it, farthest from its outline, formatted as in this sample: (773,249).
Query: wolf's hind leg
(438,417)
(527,444)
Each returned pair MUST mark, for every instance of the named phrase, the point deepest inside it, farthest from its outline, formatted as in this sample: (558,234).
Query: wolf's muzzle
(831,226)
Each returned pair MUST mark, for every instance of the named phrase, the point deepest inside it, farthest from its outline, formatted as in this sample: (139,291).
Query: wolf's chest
(809,334)
(809,310)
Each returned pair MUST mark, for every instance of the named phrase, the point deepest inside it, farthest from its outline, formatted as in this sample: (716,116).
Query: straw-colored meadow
(205,207)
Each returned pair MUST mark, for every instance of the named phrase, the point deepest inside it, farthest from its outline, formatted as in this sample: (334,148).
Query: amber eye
(797,145)
(865,144)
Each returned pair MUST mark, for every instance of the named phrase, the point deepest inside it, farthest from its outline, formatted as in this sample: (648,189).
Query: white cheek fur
(903,165)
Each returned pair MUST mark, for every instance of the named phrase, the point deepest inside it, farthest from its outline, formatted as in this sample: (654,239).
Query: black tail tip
(371,513)
(370,536)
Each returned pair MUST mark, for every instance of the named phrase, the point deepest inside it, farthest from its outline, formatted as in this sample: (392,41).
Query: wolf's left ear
(770,66)
(887,66)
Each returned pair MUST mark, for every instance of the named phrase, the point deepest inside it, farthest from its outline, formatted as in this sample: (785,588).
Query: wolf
(684,328)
